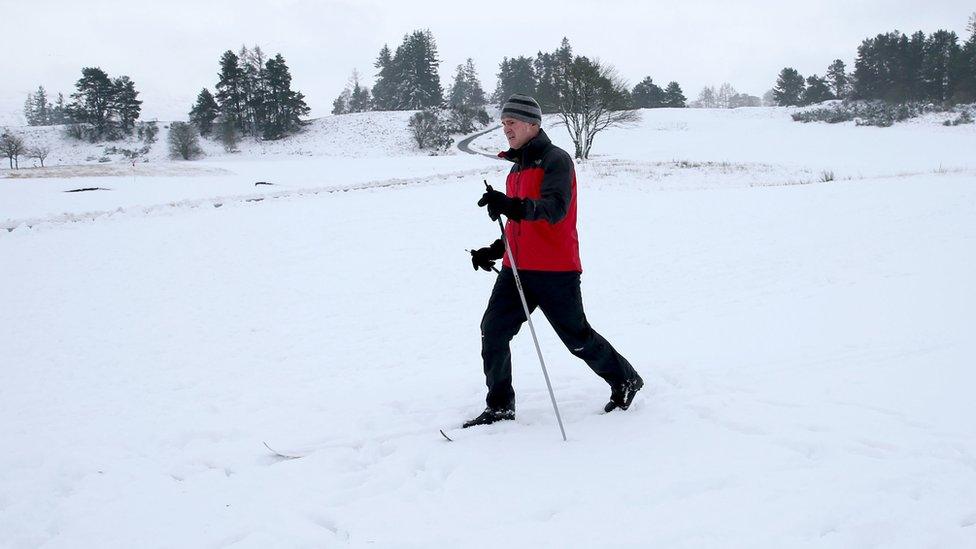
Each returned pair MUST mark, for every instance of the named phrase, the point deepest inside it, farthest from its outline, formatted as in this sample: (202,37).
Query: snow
(807,348)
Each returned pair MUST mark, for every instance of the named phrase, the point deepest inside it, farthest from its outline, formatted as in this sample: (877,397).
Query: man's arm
(556,191)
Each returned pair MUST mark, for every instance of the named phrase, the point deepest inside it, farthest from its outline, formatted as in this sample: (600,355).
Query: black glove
(484,257)
(499,204)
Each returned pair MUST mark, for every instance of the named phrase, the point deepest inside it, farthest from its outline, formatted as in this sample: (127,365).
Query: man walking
(540,204)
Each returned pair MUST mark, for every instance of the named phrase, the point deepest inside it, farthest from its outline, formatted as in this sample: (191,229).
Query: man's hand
(499,204)
(484,258)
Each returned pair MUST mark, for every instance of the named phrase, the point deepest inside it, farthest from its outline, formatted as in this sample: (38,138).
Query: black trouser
(558,295)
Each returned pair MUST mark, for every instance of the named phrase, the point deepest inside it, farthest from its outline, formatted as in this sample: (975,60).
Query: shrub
(865,113)
(963,118)
(184,141)
(430,131)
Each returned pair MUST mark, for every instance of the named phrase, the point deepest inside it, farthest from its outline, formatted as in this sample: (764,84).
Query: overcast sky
(170,48)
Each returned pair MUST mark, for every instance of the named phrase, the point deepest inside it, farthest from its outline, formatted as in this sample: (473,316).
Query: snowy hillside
(370,134)
(334,152)
(807,347)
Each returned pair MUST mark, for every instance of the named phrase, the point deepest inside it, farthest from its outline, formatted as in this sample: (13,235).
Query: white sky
(170,48)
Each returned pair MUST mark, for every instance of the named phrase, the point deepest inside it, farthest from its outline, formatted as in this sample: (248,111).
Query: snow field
(807,351)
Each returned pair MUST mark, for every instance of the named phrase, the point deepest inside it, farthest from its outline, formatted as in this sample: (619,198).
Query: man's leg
(503,318)
(561,301)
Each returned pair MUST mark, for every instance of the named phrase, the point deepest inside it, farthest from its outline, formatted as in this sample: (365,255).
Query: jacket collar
(530,151)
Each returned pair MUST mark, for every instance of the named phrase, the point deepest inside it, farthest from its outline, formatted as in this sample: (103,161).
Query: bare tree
(725,94)
(39,152)
(184,142)
(12,146)
(971,27)
(591,98)
(707,98)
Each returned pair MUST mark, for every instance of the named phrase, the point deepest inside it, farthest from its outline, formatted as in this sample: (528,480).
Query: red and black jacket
(544,177)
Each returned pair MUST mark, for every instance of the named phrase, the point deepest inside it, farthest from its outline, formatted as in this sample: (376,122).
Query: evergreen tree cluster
(544,76)
(102,107)
(466,100)
(587,94)
(408,79)
(792,89)
(254,97)
(354,98)
(936,68)
(648,95)
(894,68)
(39,111)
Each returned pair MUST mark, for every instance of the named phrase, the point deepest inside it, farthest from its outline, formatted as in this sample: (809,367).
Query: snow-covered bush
(965,117)
(865,113)
(430,131)
(184,141)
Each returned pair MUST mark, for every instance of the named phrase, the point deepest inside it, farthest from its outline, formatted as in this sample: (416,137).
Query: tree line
(408,79)
(586,94)
(101,107)
(894,68)
(254,98)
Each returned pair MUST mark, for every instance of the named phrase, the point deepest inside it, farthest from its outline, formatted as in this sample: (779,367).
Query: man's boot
(622,394)
(489,416)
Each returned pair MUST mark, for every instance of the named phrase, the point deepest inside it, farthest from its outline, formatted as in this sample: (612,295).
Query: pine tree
(673,96)
(125,103)
(941,55)
(354,97)
(93,100)
(360,99)
(29,112)
(515,75)
(253,88)
(341,104)
(837,77)
(648,95)
(789,87)
(466,100)
(204,112)
(285,107)
(384,90)
(550,71)
(230,89)
(466,90)
(37,109)
(966,90)
(419,86)
(476,93)
(59,115)
(816,91)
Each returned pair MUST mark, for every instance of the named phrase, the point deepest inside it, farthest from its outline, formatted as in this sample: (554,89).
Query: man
(540,204)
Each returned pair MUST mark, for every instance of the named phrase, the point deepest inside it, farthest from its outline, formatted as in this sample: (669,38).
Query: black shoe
(489,416)
(621,395)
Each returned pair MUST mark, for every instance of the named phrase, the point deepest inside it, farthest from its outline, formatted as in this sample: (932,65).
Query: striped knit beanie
(524,108)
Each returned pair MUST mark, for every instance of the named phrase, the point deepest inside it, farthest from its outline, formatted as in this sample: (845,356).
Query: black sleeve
(556,192)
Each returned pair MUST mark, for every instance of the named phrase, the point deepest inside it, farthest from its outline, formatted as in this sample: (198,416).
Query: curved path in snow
(464,145)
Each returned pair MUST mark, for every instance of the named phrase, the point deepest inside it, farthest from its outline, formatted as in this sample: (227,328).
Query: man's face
(518,132)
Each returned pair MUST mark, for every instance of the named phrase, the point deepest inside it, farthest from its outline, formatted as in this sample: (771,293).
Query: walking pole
(528,317)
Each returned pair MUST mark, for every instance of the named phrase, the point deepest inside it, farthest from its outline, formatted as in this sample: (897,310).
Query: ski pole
(528,317)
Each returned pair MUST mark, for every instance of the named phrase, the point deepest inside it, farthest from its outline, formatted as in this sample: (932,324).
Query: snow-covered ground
(808,350)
